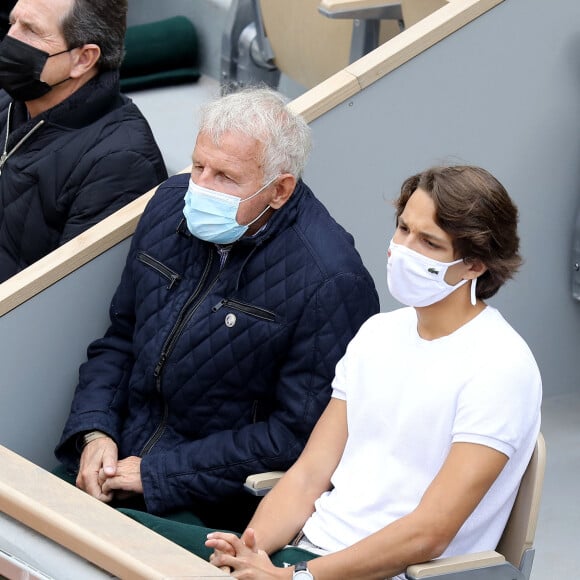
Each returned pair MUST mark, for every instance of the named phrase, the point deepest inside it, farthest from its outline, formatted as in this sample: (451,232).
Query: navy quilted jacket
(213,373)
(69,167)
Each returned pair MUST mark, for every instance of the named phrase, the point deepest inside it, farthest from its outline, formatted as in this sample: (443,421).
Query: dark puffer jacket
(69,167)
(212,374)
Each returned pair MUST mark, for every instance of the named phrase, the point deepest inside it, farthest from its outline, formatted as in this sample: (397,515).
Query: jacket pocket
(166,272)
(255,311)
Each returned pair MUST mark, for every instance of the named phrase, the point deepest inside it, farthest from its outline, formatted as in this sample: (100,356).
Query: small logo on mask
(432,270)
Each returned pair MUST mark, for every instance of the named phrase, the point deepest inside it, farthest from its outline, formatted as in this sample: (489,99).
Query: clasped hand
(242,557)
(105,477)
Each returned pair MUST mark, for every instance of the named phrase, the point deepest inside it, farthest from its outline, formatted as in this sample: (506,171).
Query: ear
(86,59)
(284,187)
(475,269)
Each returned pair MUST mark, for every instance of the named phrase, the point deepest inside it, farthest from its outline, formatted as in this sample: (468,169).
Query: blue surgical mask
(211,215)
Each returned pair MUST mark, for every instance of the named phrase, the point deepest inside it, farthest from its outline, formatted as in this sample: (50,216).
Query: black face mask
(20,68)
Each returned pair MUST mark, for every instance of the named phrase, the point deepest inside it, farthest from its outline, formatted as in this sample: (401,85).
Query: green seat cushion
(159,54)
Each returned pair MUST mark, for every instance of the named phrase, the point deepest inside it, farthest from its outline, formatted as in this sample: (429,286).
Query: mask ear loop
(473,297)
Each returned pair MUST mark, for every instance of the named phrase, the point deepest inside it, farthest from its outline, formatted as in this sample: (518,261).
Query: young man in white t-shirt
(435,409)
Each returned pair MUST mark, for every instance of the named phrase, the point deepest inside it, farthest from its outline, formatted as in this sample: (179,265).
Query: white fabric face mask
(416,280)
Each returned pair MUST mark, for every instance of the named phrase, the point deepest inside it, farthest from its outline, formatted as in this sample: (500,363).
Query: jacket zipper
(184,316)
(247,308)
(255,411)
(5,155)
(158,266)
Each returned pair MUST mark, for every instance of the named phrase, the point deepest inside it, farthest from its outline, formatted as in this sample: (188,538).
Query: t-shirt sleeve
(340,382)
(498,406)
(348,367)
(344,375)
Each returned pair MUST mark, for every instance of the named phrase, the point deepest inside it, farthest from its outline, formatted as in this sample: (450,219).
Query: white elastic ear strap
(473,297)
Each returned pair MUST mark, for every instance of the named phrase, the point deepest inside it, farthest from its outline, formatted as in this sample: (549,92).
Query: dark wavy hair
(474,208)
(100,22)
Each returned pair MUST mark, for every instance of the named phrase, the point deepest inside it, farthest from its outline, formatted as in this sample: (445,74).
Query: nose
(203,178)
(397,237)
(15,31)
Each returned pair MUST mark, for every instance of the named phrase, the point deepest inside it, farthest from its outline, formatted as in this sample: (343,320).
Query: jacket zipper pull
(221,303)
(159,366)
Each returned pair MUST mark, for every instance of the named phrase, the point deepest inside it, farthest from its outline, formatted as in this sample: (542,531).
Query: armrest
(454,564)
(91,529)
(261,483)
(361,9)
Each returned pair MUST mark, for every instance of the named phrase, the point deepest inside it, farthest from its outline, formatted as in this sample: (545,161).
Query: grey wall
(503,93)
(43,343)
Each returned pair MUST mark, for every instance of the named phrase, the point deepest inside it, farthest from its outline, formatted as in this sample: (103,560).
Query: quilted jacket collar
(282,218)
(91,102)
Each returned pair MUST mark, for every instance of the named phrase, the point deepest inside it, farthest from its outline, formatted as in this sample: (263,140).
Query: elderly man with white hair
(239,296)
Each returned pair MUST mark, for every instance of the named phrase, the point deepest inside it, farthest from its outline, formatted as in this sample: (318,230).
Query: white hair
(262,114)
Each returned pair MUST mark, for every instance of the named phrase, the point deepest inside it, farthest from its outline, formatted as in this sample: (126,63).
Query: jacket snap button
(230,320)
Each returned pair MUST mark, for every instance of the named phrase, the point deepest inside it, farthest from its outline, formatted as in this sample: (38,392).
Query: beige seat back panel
(520,529)
(389,28)
(415,10)
(308,47)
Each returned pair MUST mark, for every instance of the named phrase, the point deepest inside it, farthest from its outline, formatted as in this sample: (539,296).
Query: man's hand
(126,481)
(98,456)
(222,544)
(243,557)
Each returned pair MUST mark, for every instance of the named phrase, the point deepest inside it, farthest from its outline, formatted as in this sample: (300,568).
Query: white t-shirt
(408,400)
